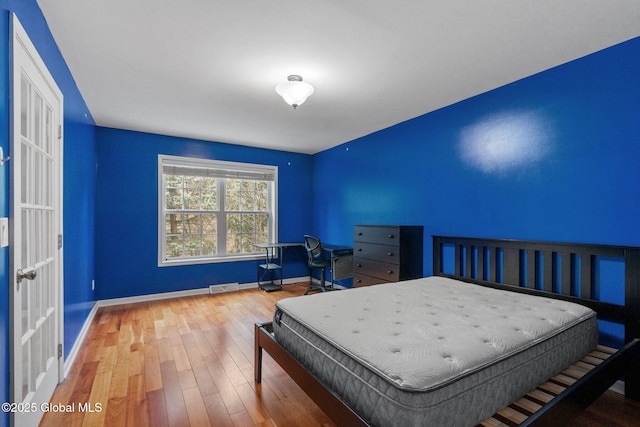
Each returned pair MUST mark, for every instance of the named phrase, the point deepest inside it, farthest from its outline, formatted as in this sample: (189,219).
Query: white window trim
(208,163)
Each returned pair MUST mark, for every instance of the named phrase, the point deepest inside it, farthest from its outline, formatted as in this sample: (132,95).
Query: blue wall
(127,213)
(79,180)
(551,157)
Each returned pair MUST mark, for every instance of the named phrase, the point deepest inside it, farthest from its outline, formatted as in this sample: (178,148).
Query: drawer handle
(359,249)
(360,233)
(389,253)
(390,236)
(359,280)
(358,265)
(389,271)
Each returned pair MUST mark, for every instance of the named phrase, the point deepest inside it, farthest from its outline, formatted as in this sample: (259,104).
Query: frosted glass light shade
(295,91)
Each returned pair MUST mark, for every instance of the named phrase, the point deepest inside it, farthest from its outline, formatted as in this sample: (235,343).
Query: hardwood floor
(189,362)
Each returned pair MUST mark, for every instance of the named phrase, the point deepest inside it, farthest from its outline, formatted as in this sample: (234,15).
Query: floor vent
(228,287)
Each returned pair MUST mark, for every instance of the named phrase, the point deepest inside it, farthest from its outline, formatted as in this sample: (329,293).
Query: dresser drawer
(382,270)
(376,252)
(382,235)
(360,280)
(386,253)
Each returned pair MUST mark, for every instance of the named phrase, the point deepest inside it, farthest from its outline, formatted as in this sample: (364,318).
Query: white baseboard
(151,297)
(68,362)
(229,287)
(71,357)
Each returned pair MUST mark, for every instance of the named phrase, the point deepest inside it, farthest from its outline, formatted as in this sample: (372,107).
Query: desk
(341,261)
(273,262)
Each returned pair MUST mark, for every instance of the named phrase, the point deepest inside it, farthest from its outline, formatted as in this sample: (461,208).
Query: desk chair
(315,260)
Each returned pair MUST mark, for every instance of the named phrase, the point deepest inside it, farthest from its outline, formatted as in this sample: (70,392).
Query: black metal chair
(315,260)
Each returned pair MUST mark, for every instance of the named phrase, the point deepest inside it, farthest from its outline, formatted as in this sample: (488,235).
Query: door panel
(36,218)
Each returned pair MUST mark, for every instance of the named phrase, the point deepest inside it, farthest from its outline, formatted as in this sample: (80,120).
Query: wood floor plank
(157,409)
(252,402)
(152,373)
(189,362)
(174,400)
(136,359)
(116,411)
(160,328)
(204,381)
(99,394)
(196,408)
(278,408)
(242,419)
(120,373)
(230,398)
(164,350)
(217,411)
(180,357)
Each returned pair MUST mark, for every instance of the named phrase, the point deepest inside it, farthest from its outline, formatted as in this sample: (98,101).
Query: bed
(361,354)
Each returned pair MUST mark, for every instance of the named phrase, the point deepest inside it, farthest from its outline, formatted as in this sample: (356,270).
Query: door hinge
(59,131)
(59,350)
(59,241)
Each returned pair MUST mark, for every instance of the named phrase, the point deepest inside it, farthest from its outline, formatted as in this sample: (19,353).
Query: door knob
(28,273)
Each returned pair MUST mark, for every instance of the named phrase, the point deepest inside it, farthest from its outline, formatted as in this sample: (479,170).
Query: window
(210,210)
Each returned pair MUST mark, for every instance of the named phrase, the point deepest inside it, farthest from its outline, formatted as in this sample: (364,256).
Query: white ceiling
(207,69)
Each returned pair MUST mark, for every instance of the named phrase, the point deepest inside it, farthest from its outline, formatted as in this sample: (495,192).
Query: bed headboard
(558,270)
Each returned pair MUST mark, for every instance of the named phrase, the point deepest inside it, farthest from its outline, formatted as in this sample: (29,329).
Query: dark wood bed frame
(558,270)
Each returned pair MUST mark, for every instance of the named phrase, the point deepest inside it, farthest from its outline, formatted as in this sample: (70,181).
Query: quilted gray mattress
(432,351)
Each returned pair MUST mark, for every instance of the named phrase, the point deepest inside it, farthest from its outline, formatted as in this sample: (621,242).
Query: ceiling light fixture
(295,91)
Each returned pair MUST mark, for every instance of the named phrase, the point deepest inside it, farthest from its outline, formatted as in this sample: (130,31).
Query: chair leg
(313,287)
(310,288)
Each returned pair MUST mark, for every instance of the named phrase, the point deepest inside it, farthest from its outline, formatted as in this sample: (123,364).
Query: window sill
(197,261)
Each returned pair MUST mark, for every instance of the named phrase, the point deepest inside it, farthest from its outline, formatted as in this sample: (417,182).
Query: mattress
(432,351)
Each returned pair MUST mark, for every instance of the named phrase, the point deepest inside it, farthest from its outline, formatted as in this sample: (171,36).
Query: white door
(36,159)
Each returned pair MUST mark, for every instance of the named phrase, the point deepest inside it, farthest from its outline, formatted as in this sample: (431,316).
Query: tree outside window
(214,210)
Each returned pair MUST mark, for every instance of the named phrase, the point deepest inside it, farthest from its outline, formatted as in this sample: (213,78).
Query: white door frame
(20,40)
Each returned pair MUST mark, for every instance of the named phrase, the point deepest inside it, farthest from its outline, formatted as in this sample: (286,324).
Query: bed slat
(511,415)
(493,252)
(540,396)
(566,270)
(531,269)
(492,422)
(564,380)
(528,409)
(481,262)
(586,276)
(606,368)
(547,260)
(527,405)
(511,263)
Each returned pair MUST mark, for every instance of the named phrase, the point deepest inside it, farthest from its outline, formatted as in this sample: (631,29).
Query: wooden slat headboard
(557,270)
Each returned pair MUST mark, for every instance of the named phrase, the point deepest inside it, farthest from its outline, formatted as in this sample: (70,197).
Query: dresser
(386,253)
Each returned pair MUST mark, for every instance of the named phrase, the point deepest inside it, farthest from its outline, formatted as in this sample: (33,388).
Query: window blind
(216,169)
